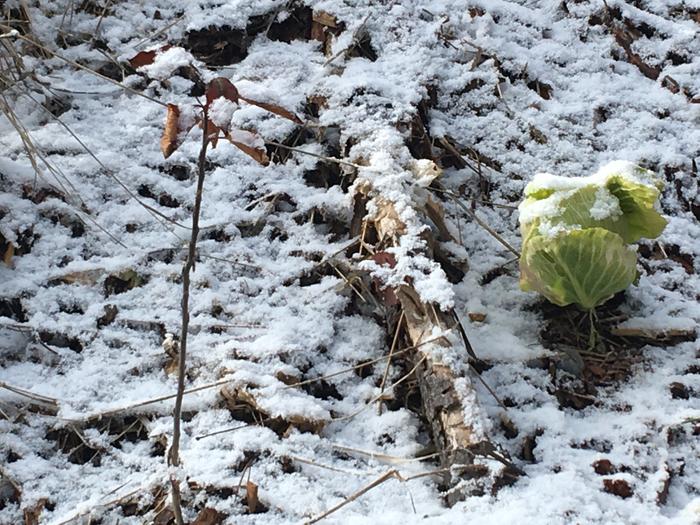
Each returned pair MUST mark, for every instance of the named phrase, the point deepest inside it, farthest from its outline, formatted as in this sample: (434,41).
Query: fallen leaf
(169,140)
(146,58)
(618,487)
(207,516)
(625,40)
(384,258)
(221,87)
(32,514)
(273,108)
(387,293)
(476,317)
(87,277)
(604,467)
(387,221)
(671,84)
(9,252)
(325,19)
(251,492)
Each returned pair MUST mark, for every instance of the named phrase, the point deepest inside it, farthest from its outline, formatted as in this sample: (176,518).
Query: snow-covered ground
(523,86)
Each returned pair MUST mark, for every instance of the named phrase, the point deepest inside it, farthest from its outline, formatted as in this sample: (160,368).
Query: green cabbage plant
(577,232)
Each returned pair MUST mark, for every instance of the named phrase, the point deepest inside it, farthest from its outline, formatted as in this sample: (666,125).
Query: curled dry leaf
(146,58)
(251,492)
(221,87)
(273,108)
(250,144)
(175,129)
(168,142)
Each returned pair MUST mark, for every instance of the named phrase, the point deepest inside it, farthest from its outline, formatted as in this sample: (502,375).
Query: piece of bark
(445,404)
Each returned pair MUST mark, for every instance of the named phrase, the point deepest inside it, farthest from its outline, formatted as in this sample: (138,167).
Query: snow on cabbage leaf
(576,232)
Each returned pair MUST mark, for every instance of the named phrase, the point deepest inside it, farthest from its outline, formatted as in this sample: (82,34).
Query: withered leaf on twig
(250,144)
(273,108)
(212,133)
(168,142)
(221,87)
(174,131)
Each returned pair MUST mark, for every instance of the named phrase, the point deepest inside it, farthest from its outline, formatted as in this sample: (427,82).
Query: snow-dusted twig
(381,479)
(29,394)
(479,221)
(388,362)
(174,453)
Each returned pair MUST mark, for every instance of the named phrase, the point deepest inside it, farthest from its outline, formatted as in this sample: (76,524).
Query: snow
(606,205)
(166,62)
(259,313)
(221,113)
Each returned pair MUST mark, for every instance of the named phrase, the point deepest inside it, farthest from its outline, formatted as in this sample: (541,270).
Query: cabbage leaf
(576,232)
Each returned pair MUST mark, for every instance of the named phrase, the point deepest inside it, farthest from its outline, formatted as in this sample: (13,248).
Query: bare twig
(391,354)
(159,32)
(381,457)
(322,157)
(480,222)
(381,479)
(174,454)
(222,382)
(29,394)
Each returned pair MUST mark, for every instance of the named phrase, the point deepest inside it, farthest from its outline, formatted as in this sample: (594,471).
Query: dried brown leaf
(207,516)
(387,293)
(146,58)
(169,140)
(251,493)
(273,108)
(387,221)
(221,87)
(9,253)
(175,129)
(32,514)
(618,487)
(257,153)
(625,40)
(213,133)
(87,277)
(604,467)
(325,19)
